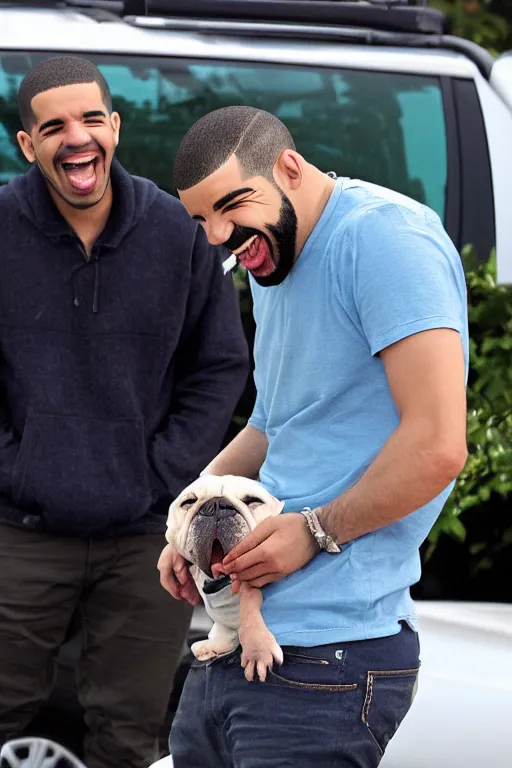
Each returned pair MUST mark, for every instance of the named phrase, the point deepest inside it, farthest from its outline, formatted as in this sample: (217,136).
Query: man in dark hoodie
(121,360)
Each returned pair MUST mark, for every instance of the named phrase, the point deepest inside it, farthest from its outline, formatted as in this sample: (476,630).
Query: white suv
(372,91)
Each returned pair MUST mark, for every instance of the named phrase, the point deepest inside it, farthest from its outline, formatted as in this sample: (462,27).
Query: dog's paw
(208,649)
(259,652)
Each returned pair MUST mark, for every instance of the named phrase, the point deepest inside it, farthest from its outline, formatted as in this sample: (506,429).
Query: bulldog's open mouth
(213,532)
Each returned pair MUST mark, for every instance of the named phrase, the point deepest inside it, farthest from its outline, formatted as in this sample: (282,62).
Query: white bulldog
(205,522)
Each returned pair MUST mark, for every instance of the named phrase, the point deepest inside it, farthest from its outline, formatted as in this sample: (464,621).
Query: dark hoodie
(118,374)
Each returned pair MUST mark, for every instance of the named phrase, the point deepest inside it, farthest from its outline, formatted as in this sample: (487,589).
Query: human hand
(175,576)
(277,547)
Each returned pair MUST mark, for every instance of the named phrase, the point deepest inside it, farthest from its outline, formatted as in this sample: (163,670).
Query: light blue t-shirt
(376,268)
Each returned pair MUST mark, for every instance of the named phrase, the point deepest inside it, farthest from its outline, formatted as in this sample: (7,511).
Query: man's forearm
(408,472)
(243,456)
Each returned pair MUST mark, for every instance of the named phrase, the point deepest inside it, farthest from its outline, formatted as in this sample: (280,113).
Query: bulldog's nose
(217,506)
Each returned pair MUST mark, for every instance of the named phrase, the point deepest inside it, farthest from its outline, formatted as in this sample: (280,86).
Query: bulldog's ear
(269,509)
(176,515)
(172,526)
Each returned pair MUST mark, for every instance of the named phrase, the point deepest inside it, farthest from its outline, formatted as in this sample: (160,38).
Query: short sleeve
(406,275)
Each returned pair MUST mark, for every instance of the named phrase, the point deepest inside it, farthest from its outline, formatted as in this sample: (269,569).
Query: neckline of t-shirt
(322,222)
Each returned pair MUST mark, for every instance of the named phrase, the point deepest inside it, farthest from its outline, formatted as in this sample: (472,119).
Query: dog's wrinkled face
(213,514)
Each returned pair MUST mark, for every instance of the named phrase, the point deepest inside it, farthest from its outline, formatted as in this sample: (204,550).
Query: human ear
(115,122)
(26,146)
(289,169)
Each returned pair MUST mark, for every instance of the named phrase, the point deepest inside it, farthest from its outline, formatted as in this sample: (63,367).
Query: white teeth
(82,161)
(246,245)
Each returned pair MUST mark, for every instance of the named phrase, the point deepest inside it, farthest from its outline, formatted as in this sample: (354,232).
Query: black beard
(285,239)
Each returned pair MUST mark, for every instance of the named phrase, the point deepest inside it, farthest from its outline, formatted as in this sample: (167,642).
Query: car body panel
(461,713)
(498,125)
(74,32)
(69,30)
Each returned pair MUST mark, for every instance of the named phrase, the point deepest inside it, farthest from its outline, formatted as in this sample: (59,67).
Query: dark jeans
(326,707)
(133,633)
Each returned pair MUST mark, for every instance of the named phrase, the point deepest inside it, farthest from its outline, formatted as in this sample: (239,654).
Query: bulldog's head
(213,514)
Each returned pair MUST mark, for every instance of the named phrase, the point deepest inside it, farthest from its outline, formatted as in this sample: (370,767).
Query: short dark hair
(254,136)
(56,72)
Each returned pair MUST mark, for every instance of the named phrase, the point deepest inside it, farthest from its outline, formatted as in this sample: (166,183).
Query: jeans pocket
(389,695)
(311,673)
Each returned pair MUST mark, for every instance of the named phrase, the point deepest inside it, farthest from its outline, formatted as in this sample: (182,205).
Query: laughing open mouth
(256,256)
(81,173)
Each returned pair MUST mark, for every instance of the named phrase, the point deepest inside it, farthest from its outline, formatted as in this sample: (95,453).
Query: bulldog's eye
(248,500)
(188,502)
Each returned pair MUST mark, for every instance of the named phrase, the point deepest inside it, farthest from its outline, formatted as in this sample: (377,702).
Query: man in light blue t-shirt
(361,359)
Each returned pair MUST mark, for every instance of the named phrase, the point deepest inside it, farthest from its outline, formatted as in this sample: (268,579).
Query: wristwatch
(325,542)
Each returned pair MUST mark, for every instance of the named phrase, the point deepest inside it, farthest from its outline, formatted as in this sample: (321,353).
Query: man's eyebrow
(231,196)
(58,121)
(51,124)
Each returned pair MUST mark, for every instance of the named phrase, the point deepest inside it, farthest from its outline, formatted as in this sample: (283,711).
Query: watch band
(325,542)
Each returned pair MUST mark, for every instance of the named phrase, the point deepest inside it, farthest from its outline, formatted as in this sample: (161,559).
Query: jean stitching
(367,698)
(394,672)
(295,658)
(313,686)
(370,678)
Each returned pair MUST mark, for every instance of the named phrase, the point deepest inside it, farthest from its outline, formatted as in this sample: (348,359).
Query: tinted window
(381,127)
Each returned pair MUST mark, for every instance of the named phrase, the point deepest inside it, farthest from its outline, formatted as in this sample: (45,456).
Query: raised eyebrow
(230,197)
(51,124)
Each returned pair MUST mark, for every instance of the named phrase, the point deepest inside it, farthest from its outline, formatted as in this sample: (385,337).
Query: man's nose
(218,232)
(77,135)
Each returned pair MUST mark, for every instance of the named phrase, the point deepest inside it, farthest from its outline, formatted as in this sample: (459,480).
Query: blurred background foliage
(473,560)
(486,22)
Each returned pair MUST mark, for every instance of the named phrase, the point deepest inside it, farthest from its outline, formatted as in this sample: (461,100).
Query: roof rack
(407,23)
(390,15)
(114,6)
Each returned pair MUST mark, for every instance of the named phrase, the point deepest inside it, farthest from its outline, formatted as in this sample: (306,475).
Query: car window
(382,127)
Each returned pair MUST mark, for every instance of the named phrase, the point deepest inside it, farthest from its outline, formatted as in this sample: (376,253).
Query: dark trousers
(332,706)
(133,632)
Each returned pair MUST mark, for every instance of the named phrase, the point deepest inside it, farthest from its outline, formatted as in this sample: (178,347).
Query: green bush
(486,22)
(488,471)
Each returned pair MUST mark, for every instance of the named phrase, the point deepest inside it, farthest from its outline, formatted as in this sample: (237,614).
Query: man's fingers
(169,583)
(261,581)
(250,560)
(254,539)
(182,573)
(175,576)
(253,572)
(190,593)
(268,578)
